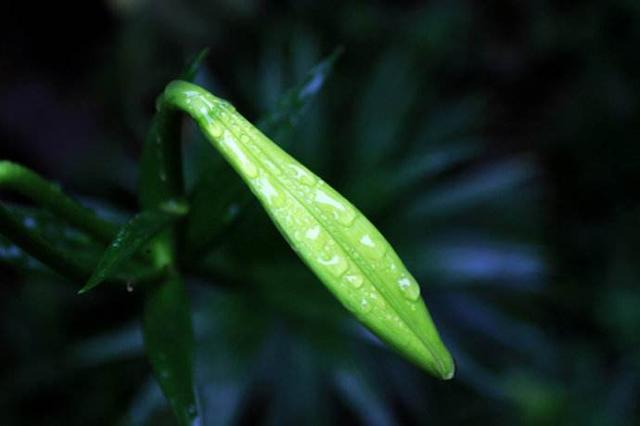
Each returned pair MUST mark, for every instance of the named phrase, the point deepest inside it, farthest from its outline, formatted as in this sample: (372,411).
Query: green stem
(61,262)
(29,184)
(37,247)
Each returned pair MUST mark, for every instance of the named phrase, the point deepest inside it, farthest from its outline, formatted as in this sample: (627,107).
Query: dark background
(523,229)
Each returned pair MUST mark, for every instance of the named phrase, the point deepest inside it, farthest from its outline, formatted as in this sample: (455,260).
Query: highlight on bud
(344,250)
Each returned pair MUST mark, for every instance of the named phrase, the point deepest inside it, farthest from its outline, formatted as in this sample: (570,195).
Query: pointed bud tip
(447,371)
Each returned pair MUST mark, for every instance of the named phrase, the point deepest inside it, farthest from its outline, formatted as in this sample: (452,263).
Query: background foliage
(494,143)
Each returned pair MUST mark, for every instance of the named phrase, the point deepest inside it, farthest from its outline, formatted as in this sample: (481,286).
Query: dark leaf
(293,104)
(194,66)
(168,337)
(130,239)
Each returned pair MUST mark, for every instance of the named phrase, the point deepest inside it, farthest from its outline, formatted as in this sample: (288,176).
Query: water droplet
(409,287)
(303,175)
(271,166)
(365,306)
(336,264)
(333,259)
(214,129)
(367,241)
(355,280)
(372,244)
(238,154)
(271,195)
(313,233)
(333,204)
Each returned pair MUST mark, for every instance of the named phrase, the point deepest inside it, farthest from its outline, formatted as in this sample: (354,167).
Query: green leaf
(30,241)
(217,201)
(219,195)
(130,239)
(26,182)
(57,234)
(194,66)
(168,338)
(345,251)
(384,108)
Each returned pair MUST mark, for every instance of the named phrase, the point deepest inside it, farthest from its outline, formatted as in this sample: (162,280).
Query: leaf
(132,237)
(384,108)
(193,68)
(168,339)
(59,235)
(295,101)
(343,249)
(219,195)
(490,184)
(147,400)
(370,408)
(217,200)
(26,182)
(116,345)
(29,241)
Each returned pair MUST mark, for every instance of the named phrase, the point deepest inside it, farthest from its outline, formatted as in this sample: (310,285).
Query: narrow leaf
(168,339)
(132,237)
(26,182)
(58,234)
(194,66)
(343,249)
(294,102)
(33,243)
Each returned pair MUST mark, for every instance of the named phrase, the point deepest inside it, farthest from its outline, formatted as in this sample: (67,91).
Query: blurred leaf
(193,68)
(383,109)
(219,195)
(429,164)
(130,239)
(217,200)
(168,337)
(13,255)
(293,104)
(121,344)
(471,260)
(483,319)
(451,122)
(146,401)
(360,397)
(53,230)
(488,185)
(19,232)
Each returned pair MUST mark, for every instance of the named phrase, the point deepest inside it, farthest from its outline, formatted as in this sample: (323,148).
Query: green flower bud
(344,250)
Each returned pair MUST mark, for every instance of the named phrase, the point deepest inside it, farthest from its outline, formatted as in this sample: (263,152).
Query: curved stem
(31,185)
(37,247)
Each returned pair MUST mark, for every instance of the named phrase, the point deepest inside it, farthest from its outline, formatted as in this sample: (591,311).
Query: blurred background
(494,143)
